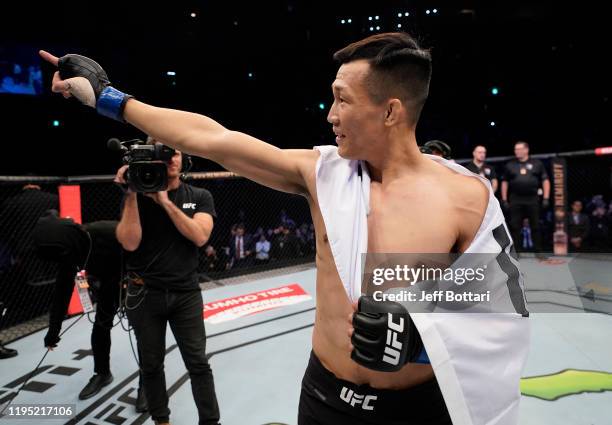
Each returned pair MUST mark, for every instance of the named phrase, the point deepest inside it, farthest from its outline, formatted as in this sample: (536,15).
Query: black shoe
(6,353)
(95,385)
(141,401)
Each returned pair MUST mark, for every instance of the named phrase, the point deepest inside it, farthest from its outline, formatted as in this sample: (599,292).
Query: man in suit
(241,248)
(578,227)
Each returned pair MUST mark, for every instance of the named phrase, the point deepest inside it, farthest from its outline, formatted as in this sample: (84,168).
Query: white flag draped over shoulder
(478,358)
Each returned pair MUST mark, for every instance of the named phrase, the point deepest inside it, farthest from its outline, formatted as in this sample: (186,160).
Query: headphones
(437,145)
(186,164)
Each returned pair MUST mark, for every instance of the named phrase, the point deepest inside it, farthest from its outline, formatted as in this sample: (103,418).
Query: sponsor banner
(560,237)
(255,302)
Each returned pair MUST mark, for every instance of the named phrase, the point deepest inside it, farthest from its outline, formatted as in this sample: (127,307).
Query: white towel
(477,358)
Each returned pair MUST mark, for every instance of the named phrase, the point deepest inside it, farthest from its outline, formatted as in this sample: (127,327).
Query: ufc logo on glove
(393,350)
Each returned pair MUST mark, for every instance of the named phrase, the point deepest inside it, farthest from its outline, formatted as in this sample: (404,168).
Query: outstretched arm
(238,152)
(202,136)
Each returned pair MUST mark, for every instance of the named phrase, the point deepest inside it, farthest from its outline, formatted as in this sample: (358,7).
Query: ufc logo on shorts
(394,347)
(189,205)
(352,398)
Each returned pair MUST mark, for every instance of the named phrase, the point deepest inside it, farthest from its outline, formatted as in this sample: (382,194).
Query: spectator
(285,244)
(599,231)
(302,235)
(285,220)
(577,227)
(241,248)
(260,231)
(213,261)
(595,202)
(262,250)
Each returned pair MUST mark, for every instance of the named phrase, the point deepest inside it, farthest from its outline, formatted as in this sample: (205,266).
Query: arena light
(371,28)
(369,18)
(494,91)
(55,123)
(250,74)
(492,123)
(377,17)
(350,20)
(399,15)
(406,14)
(321,106)
(428,11)
(170,73)
(193,14)
(399,25)
(342,21)
(377,28)
(435,11)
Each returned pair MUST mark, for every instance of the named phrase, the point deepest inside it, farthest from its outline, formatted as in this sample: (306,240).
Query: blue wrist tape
(111,103)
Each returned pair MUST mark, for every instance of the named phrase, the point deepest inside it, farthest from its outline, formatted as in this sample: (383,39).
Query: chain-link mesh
(283,220)
(25,288)
(589,180)
(27,282)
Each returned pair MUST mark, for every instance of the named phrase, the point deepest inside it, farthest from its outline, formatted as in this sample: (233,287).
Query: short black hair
(400,68)
(522,142)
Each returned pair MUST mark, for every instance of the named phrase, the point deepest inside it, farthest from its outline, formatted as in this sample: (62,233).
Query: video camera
(147,164)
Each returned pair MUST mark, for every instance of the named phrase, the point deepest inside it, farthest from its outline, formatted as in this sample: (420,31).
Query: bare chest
(420,224)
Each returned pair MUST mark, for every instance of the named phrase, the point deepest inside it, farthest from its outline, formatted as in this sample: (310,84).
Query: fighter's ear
(393,112)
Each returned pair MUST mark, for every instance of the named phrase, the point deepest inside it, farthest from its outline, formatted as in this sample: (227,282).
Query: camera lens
(149,177)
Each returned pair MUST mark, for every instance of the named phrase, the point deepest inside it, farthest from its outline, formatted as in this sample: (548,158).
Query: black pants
(327,400)
(149,314)
(526,208)
(106,308)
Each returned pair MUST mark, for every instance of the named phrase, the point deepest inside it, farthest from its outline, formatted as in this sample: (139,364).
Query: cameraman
(161,233)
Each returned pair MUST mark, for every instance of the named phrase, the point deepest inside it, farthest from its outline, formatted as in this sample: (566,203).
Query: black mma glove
(384,337)
(90,85)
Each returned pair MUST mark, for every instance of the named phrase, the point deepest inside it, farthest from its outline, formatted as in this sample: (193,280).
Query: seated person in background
(262,250)
(578,227)
(213,261)
(285,244)
(599,233)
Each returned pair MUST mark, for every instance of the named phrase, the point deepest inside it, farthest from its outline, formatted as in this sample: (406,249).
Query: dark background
(547,60)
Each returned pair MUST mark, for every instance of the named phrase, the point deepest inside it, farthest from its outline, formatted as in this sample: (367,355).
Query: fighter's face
(480,153)
(357,121)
